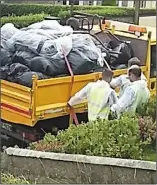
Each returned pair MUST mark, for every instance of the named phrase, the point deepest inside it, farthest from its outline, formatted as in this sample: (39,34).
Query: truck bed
(46,99)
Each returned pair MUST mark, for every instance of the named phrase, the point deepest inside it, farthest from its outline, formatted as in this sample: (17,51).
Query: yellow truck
(27,111)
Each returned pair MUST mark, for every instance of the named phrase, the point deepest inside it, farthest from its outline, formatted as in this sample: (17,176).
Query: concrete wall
(44,167)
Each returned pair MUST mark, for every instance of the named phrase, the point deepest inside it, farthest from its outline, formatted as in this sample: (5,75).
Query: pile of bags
(40,49)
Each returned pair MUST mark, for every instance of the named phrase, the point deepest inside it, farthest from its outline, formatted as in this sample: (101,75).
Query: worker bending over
(123,81)
(99,95)
(134,95)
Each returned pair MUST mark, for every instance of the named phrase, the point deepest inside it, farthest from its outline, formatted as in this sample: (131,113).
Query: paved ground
(148,21)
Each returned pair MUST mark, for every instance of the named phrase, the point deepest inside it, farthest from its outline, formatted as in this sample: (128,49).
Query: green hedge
(115,138)
(26,9)
(109,3)
(23,21)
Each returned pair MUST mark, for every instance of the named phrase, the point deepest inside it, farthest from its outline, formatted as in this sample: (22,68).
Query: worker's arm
(80,96)
(125,101)
(113,98)
(116,82)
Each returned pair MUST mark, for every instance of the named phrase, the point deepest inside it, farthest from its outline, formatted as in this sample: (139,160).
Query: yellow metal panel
(152,86)
(13,117)
(15,103)
(121,29)
(57,90)
(57,110)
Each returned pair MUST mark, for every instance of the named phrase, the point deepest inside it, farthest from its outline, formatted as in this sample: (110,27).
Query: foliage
(109,3)
(26,9)
(10,179)
(114,138)
(148,109)
(22,21)
(48,144)
(147,128)
(64,14)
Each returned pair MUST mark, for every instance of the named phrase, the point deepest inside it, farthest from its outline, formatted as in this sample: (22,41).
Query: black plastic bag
(4,72)
(5,57)
(48,66)
(126,53)
(24,54)
(80,63)
(26,78)
(12,71)
(17,69)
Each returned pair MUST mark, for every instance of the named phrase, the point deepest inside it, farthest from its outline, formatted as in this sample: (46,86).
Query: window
(99,3)
(75,2)
(143,4)
(124,3)
(85,2)
(91,2)
(153,61)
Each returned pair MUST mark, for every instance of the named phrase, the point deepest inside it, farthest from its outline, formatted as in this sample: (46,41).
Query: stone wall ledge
(127,163)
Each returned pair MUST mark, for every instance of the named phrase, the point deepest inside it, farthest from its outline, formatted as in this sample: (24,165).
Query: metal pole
(137,9)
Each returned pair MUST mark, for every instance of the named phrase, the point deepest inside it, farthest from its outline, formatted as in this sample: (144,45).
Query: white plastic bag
(8,30)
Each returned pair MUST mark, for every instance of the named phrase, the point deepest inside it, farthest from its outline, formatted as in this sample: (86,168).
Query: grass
(10,179)
(149,155)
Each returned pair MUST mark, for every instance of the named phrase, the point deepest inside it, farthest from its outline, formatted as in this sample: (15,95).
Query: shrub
(148,109)
(110,12)
(26,9)
(147,128)
(22,21)
(64,14)
(115,138)
(109,3)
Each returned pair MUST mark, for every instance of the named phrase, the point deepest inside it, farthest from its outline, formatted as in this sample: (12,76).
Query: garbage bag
(5,57)
(11,71)
(80,63)
(4,72)
(26,78)
(48,66)
(17,69)
(27,38)
(57,48)
(126,53)
(84,43)
(24,54)
(8,30)
(52,25)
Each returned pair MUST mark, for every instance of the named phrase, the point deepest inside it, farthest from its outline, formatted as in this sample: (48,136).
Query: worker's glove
(114,111)
(113,108)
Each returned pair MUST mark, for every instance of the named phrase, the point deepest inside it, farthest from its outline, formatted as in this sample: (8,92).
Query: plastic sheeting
(41,47)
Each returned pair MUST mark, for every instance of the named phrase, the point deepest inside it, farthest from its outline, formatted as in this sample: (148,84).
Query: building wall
(144,4)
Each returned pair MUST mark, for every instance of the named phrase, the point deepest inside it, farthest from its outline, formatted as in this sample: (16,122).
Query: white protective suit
(100,98)
(134,95)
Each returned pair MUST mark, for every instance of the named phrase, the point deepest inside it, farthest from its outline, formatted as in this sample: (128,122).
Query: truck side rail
(16,102)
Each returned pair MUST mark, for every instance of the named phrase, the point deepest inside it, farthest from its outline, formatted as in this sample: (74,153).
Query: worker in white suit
(123,81)
(134,95)
(100,97)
